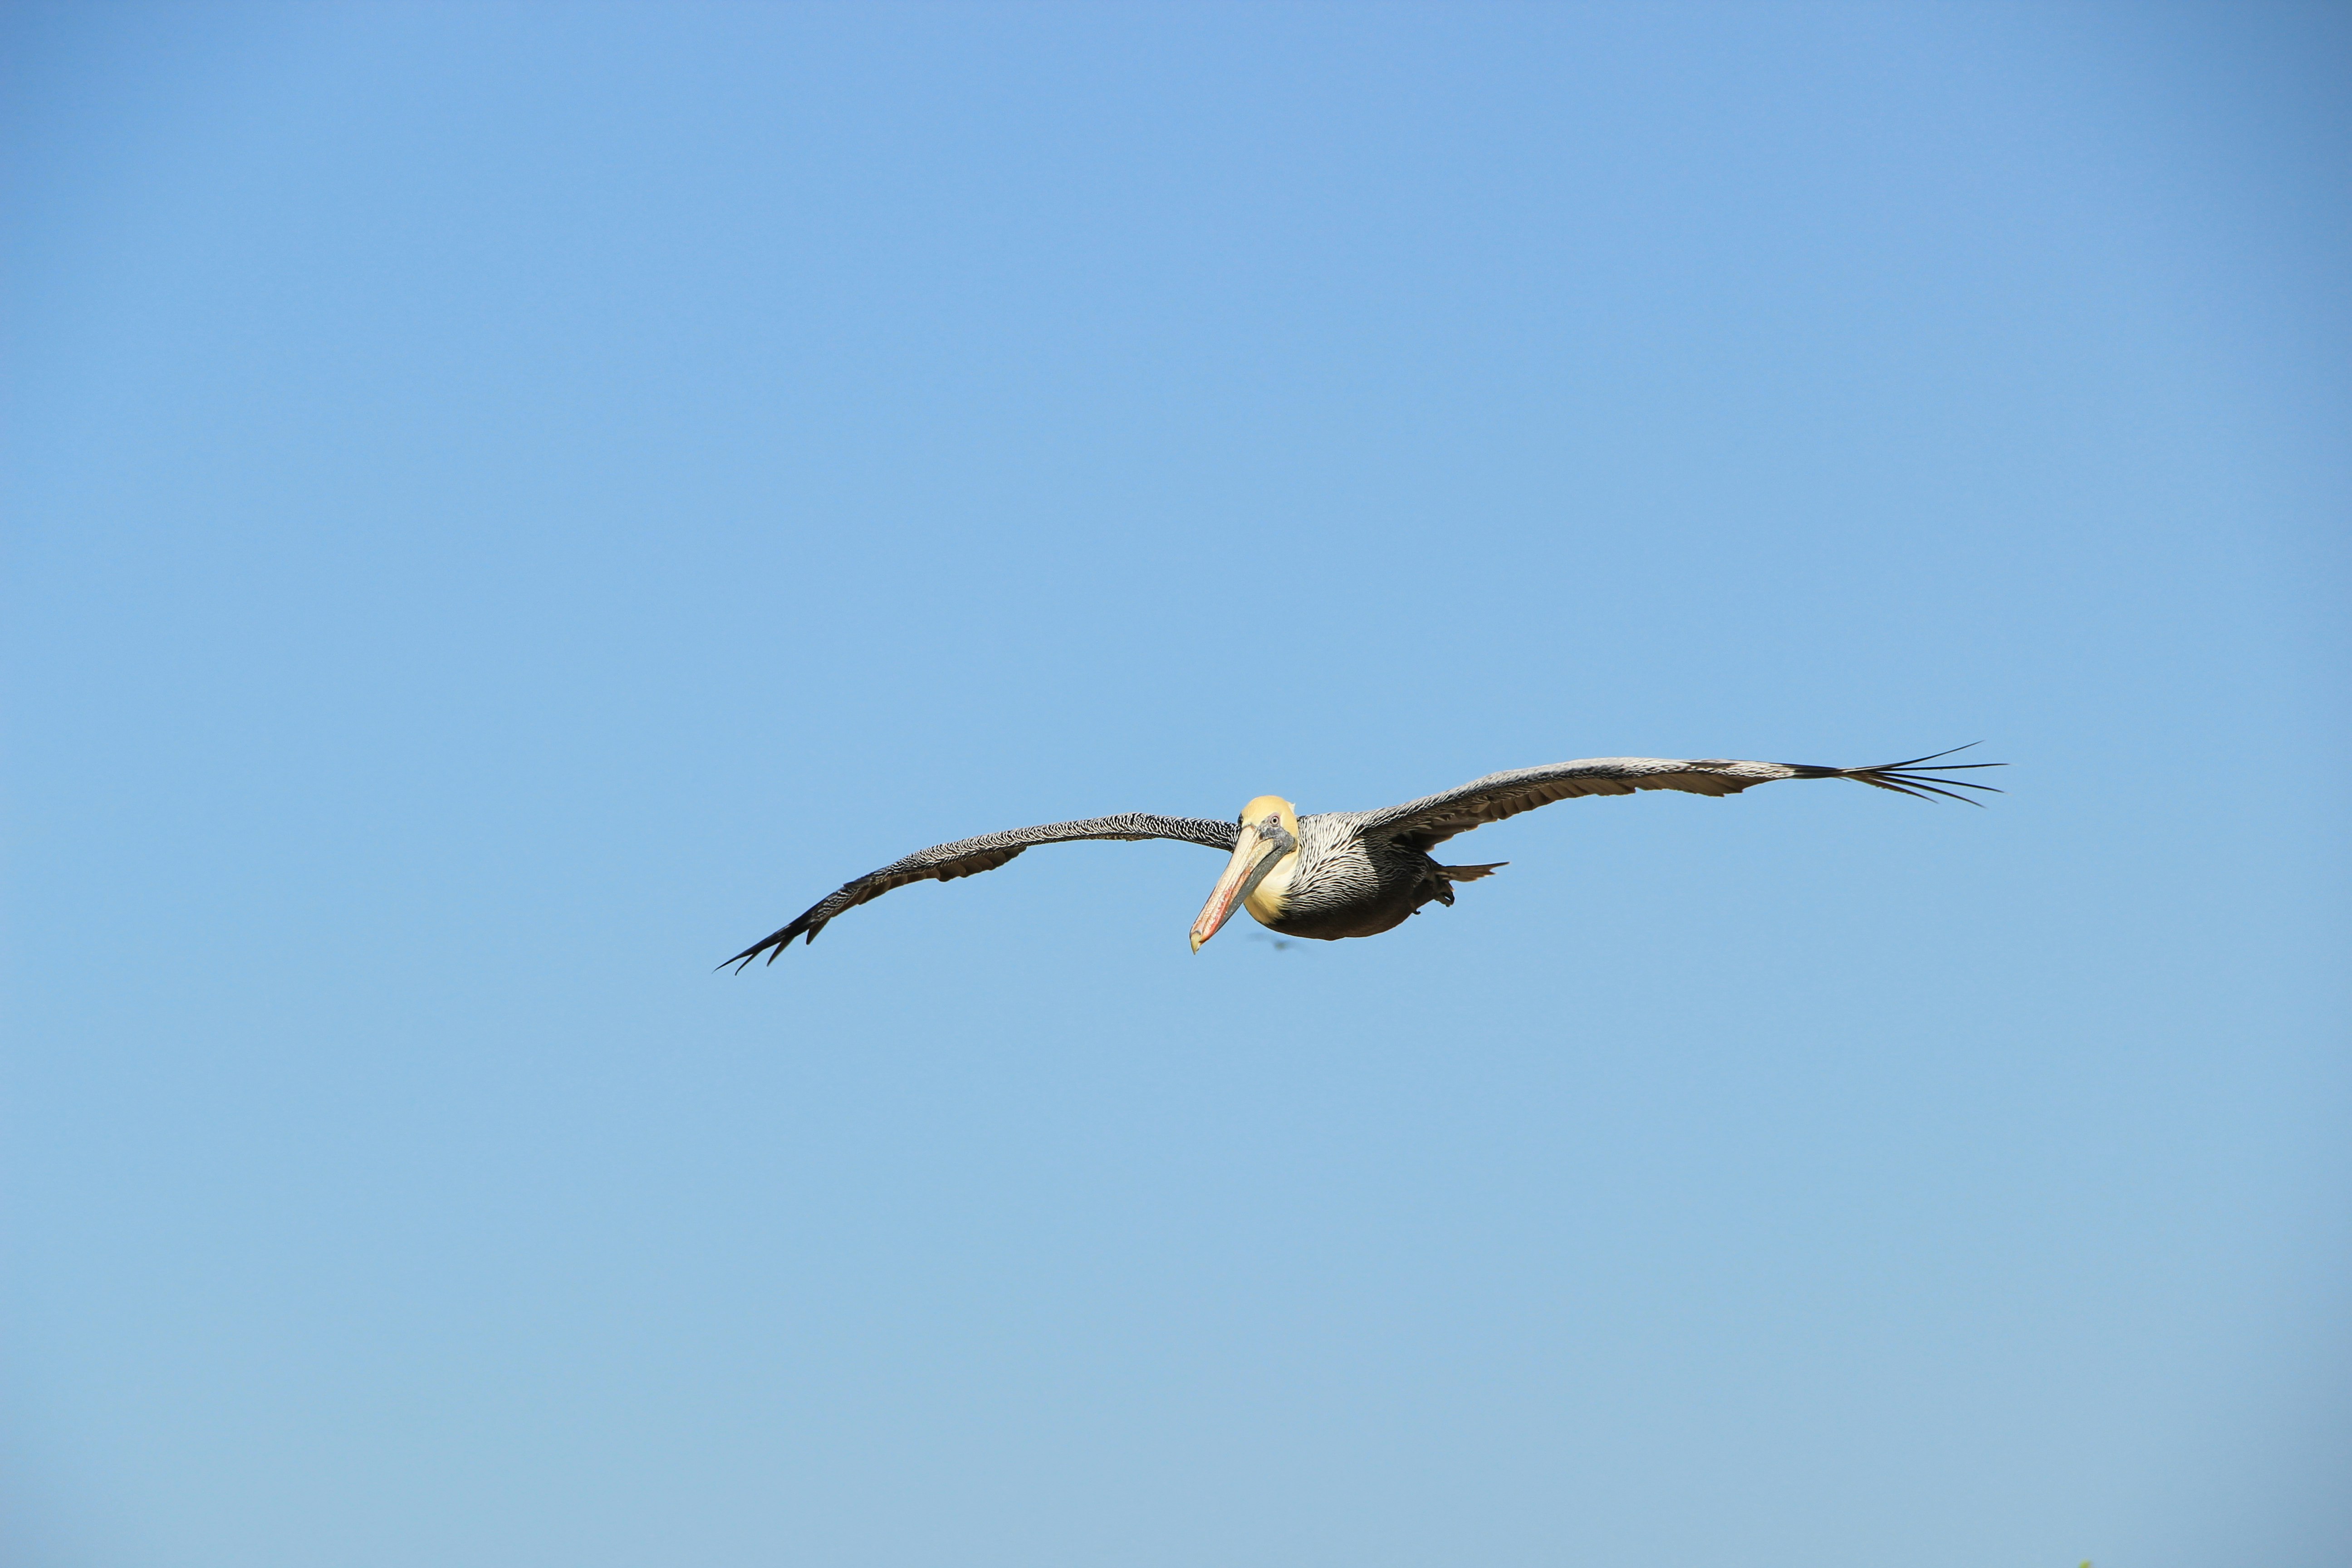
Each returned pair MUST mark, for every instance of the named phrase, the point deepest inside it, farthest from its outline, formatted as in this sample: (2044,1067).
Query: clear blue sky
(506,505)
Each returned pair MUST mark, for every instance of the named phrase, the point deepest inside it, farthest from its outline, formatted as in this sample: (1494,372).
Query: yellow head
(1255,813)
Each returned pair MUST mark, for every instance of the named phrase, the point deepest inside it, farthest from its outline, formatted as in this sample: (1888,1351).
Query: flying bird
(1334,874)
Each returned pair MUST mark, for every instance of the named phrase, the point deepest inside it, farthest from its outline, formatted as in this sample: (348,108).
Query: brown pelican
(1337,873)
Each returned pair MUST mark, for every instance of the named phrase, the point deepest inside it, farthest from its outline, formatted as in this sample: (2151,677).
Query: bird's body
(1337,873)
(1342,883)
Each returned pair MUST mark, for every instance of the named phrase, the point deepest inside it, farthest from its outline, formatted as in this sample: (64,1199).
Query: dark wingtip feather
(1931,756)
(1921,789)
(771,944)
(1918,780)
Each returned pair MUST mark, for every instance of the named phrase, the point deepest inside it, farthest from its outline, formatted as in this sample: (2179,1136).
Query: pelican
(1334,874)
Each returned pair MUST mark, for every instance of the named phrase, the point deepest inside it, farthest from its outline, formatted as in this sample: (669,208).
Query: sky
(508,504)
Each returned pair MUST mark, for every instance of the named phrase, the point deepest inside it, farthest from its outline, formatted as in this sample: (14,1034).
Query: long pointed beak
(1253,857)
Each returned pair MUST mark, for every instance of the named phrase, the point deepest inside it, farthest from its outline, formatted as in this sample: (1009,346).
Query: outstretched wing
(1429,821)
(969,857)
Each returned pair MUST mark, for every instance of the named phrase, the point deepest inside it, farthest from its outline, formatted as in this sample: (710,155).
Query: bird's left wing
(1429,821)
(969,857)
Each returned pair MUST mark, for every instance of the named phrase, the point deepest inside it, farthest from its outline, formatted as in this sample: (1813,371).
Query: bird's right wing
(969,857)
(1423,823)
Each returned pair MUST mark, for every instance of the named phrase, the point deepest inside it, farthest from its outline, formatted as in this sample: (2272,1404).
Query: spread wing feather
(1429,821)
(969,857)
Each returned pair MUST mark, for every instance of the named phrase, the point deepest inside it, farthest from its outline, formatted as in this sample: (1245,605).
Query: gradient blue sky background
(506,504)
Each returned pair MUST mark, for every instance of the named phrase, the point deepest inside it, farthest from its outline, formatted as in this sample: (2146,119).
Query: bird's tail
(1470,873)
